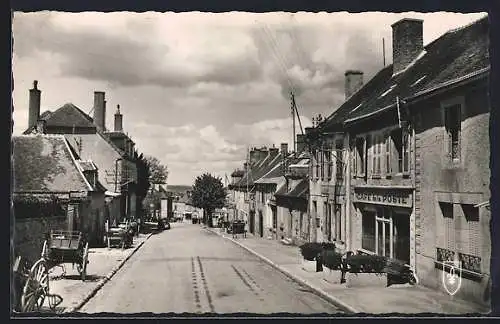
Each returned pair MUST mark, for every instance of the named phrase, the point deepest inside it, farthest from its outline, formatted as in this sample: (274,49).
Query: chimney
(273,151)
(34,105)
(353,82)
(284,149)
(99,110)
(407,42)
(301,143)
(254,155)
(118,120)
(262,153)
(40,126)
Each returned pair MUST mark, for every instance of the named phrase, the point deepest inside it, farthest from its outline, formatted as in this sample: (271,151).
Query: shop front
(387,220)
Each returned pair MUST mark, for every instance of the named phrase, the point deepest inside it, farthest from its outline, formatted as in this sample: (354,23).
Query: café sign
(388,197)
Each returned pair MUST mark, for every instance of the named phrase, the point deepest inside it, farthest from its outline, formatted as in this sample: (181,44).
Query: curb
(103,281)
(322,293)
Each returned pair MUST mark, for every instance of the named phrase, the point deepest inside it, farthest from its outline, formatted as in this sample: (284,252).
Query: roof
(259,169)
(44,163)
(87,165)
(70,115)
(454,55)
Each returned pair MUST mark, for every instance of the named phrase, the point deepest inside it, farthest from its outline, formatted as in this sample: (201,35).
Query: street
(189,269)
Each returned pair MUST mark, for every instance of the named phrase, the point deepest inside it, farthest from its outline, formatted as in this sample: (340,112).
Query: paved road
(189,269)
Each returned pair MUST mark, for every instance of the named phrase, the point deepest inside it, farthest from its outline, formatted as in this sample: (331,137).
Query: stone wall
(30,233)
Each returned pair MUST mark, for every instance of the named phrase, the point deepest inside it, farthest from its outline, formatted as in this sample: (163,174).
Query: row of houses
(400,169)
(70,172)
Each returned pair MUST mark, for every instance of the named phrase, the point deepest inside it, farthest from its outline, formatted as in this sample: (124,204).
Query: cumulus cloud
(198,89)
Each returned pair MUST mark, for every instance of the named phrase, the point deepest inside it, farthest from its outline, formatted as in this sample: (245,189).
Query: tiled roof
(68,115)
(259,169)
(455,54)
(43,163)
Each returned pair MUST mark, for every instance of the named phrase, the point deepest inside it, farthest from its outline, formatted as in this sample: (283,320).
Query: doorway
(252,221)
(261,224)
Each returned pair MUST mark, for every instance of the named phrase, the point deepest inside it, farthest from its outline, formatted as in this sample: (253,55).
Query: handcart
(67,247)
(123,234)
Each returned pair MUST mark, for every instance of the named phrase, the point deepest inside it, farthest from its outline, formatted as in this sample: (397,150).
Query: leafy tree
(159,172)
(208,193)
(143,174)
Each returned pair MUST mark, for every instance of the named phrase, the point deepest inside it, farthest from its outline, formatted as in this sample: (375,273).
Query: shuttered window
(453,130)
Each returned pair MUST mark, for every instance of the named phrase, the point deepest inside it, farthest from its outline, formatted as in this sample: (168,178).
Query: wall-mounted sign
(382,196)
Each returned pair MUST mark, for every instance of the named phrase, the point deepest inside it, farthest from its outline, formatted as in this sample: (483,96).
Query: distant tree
(158,171)
(208,193)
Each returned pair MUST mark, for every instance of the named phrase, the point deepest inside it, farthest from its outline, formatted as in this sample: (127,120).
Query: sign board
(384,196)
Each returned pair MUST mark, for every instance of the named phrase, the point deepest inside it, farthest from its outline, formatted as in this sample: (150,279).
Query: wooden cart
(31,286)
(67,247)
(238,227)
(123,235)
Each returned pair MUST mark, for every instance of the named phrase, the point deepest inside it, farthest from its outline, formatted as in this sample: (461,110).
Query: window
(386,232)
(329,165)
(338,222)
(376,149)
(328,230)
(460,236)
(316,164)
(339,146)
(359,160)
(400,140)
(368,230)
(322,161)
(388,154)
(453,129)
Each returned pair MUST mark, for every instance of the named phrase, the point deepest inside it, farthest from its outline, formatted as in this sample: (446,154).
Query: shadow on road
(88,278)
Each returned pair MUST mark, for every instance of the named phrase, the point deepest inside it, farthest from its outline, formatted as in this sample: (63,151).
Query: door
(384,233)
(261,224)
(319,225)
(252,221)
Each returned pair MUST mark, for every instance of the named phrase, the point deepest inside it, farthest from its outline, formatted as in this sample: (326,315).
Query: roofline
(78,167)
(452,83)
(471,77)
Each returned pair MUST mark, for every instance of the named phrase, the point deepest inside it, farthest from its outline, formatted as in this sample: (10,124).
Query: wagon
(238,227)
(66,247)
(31,286)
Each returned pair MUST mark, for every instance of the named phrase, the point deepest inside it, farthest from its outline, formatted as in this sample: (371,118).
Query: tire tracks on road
(249,281)
(200,286)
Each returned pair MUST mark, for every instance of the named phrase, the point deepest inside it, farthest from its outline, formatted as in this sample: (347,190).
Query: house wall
(93,219)
(466,183)
(30,233)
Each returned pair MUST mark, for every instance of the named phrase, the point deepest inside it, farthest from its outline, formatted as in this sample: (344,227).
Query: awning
(112,194)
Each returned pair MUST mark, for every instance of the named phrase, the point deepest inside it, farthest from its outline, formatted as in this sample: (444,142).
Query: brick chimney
(301,143)
(284,149)
(34,105)
(353,82)
(100,110)
(118,120)
(407,42)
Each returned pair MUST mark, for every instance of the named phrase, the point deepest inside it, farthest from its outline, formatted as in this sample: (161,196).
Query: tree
(208,193)
(143,175)
(158,171)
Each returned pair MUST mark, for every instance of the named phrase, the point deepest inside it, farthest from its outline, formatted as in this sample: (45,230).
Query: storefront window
(368,229)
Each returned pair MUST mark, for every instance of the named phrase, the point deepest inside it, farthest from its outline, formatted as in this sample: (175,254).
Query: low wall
(30,233)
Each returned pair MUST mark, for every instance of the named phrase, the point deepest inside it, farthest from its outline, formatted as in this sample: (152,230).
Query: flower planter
(366,279)
(309,266)
(332,276)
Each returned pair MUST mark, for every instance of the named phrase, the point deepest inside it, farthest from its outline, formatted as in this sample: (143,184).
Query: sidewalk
(103,264)
(375,300)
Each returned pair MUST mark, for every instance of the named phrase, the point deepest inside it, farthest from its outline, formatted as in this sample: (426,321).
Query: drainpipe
(348,195)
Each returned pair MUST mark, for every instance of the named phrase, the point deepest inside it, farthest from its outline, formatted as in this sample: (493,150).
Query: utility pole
(293,108)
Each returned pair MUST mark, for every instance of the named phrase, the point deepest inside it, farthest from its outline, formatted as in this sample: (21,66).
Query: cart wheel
(85,261)
(36,287)
(44,249)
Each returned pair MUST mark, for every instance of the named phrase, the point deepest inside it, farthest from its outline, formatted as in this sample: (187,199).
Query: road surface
(189,269)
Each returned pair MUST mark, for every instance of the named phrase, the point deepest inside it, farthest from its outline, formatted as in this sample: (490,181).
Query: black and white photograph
(298,163)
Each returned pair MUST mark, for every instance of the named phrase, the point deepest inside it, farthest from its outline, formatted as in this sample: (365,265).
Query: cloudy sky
(197,89)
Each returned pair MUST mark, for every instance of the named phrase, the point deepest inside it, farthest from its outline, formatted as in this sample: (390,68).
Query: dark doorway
(261,224)
(252,221)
